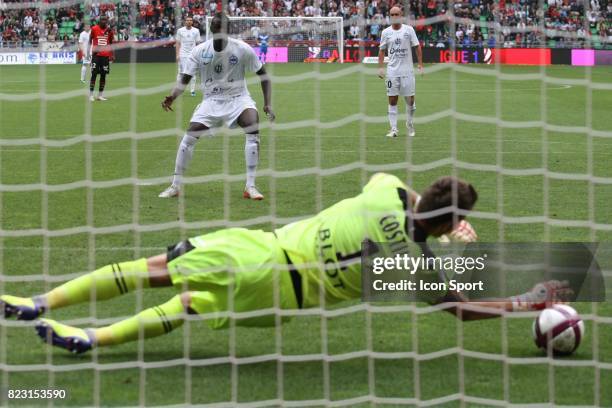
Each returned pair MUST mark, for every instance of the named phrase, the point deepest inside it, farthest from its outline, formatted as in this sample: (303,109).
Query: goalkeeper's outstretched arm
(466,310)
(539,297)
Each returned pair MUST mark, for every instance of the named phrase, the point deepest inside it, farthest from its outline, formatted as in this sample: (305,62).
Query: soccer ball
(560,328)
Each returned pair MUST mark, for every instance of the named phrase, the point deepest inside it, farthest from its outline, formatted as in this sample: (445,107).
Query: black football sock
(92,83)
(102,83)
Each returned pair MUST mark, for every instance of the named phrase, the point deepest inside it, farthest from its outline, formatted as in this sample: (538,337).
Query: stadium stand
(503,23)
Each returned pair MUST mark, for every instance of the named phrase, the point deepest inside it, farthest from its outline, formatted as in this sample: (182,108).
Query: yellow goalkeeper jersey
(326,249)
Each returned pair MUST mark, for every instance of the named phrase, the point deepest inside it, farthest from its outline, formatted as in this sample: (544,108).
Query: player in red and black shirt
(101,38)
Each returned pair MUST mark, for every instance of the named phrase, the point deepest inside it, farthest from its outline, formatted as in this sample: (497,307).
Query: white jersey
(84,42)
(399,44)
(188,38)
(222,73)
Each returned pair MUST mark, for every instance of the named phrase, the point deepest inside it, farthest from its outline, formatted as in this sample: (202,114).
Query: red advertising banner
(521,56)
(514,56)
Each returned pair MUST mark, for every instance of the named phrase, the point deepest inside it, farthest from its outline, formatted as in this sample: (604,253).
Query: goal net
(79,185)
(291,39)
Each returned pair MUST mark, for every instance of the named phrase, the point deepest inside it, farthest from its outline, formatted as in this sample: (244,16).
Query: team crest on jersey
(218,68)
(233,60)
(206,58)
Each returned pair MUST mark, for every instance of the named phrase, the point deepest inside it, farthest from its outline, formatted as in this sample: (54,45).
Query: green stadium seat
(596,43)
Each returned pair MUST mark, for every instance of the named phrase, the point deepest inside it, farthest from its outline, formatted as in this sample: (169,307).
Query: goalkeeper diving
(243,270)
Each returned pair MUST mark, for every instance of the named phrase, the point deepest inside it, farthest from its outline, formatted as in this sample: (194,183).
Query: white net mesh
(305,38)
(78,186)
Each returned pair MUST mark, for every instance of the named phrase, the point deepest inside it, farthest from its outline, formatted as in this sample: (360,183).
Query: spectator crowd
(503,23)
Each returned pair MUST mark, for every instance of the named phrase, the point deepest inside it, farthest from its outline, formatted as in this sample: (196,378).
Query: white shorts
(214,112)
(400,86)
(181,65)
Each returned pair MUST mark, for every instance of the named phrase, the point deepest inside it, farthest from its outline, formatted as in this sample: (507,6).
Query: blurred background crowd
(501,23)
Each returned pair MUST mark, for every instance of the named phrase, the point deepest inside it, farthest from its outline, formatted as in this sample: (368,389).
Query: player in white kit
(398,40)
(85,49)
(222,63)
(186,39)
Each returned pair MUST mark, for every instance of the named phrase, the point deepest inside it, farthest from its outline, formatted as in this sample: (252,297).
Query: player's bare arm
(111,40)
(381,64)
(266,88)
(177,91)
(177,47)
(419,53)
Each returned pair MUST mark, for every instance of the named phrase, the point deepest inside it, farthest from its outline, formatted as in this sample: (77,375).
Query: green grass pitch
(333,95)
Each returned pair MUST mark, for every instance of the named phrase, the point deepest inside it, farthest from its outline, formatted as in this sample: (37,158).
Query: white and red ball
(559,328)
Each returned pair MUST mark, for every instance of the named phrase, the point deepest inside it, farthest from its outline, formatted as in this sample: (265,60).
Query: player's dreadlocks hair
(219,23)
(440,195)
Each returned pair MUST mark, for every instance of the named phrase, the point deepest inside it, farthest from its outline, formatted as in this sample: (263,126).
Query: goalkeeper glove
(463,232)
(542,296)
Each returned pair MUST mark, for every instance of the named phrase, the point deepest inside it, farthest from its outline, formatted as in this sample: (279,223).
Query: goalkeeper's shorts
(234,270)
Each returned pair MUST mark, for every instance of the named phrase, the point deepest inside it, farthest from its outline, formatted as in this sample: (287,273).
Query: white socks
(183,157)
(409,113)
(83,71)
(393,116)
(251,157)
(410,110)
(185,153)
